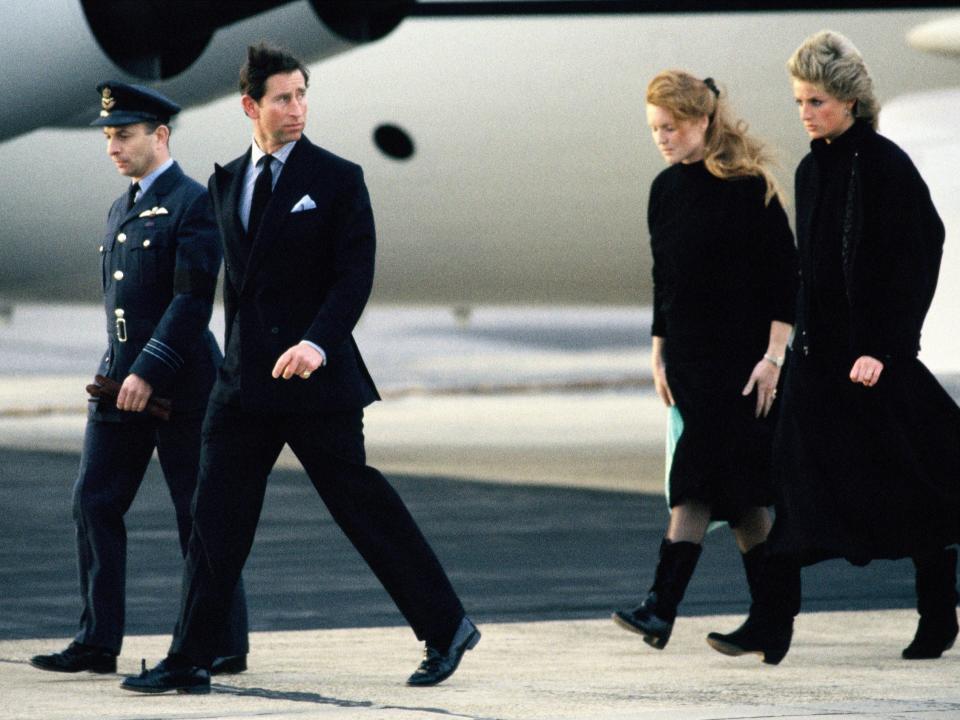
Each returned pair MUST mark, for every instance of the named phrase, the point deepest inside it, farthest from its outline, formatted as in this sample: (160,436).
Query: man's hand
(134,394)
(866,371)
(300,360)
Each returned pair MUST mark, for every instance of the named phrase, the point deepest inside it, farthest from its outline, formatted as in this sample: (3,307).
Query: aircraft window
(393,141)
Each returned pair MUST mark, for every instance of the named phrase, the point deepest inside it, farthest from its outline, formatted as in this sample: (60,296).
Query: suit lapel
(135,209)
(228,183)
(231,195)
(293,183)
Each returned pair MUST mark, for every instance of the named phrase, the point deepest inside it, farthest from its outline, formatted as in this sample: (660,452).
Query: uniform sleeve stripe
(167,349)
(159,350)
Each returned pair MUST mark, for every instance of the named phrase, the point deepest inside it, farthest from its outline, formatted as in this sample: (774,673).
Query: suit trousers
(240,448)
(114,459)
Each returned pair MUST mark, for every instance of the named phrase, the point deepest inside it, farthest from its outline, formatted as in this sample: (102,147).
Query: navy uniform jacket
(159,271)
(307,277)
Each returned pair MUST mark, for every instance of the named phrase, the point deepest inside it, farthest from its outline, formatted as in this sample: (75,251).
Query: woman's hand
(660,383)
(866,371)
(764,377)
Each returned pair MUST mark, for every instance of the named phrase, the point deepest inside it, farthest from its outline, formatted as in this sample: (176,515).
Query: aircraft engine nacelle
(362,21)
(65,47)
(157,41)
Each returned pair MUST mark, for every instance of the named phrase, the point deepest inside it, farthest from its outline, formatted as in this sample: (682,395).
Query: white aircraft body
(531,161)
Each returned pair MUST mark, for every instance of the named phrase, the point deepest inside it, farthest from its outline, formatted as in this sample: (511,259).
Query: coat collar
(842,146)
(159,188)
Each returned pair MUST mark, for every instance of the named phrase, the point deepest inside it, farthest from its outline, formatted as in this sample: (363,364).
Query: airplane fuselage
(530,161)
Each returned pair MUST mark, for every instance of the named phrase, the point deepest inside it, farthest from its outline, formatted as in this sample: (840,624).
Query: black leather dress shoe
(437,666)
(167,677)
(77,657)
(229,665)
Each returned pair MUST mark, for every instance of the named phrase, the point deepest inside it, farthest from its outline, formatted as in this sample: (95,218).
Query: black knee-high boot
(654,617)
(775,590)
(753,568)
(937,604)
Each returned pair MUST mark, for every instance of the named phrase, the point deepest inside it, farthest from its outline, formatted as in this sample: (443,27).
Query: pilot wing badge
(304,203)
(154,211)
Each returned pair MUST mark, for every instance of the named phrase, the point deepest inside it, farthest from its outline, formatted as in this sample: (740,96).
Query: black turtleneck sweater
(724,264)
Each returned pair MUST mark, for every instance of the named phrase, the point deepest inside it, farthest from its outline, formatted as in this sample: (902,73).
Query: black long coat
(865,473)
(891,242)
(307,277)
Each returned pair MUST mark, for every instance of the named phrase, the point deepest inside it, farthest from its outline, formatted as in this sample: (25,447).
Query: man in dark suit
(159,262)
(298,239)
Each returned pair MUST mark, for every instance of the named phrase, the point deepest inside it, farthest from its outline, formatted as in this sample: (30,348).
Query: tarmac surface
(544,504)
(514,552)
(539,568)
(843,665)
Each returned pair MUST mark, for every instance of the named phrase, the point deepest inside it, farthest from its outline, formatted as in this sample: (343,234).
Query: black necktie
(262,190)
(132,194)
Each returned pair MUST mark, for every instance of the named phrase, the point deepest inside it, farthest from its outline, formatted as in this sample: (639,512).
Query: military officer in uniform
(159,262)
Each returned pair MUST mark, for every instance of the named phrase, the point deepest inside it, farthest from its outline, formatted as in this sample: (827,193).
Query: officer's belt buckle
(121,329)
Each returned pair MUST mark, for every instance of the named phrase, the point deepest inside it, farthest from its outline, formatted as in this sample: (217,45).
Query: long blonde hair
(729,151)
(829,60)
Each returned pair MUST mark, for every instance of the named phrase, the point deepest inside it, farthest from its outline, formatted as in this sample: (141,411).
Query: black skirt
(722,457)
(865,473)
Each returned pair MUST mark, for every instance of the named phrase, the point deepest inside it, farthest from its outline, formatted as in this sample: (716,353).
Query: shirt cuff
(318,349)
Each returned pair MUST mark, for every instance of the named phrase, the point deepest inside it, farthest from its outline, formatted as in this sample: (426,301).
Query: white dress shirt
(253,172)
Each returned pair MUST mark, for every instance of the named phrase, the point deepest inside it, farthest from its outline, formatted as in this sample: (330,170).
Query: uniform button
(118,275)
(118,312)
(275,330)
(146,243)
(122,237)
(101,248)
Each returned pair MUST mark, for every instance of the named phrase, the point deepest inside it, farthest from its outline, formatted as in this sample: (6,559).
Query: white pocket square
(304,203)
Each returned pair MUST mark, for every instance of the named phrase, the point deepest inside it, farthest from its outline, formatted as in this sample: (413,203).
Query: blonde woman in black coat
(867,454)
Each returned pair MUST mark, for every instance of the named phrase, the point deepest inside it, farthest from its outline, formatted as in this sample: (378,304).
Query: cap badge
(107,101)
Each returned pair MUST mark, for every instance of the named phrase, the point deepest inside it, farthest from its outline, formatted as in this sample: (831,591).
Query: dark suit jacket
(307,277)
(159,268)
